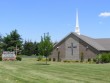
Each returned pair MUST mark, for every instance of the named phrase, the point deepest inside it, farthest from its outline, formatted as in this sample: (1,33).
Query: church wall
(68,50)
(66,53)
(61,50)
(87,50)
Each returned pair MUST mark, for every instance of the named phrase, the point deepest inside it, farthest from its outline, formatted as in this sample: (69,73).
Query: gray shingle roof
(105,42)
(102,44)
(99,44)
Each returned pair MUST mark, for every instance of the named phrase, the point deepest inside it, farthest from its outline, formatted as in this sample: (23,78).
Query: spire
(77,30)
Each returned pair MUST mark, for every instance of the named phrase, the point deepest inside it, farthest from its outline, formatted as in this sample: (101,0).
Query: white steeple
(77,30)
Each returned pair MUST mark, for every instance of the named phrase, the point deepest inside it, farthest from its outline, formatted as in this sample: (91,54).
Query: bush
(98,58)
(39,58)
(109,56)
(67,61)
(44,59)
(89,59)
(70,61)
(94,59)
(18,58)
(76,61)
(49,59)
(81,57)
(0,58)
(103,58)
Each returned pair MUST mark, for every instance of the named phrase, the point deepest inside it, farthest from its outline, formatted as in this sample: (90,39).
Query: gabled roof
(105,42)
(99,44)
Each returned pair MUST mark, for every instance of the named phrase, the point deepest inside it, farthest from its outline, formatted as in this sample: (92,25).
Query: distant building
(75,44)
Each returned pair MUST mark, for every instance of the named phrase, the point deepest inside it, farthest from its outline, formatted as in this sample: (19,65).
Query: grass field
(30,71)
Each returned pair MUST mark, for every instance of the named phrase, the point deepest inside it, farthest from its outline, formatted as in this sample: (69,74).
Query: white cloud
(104,14)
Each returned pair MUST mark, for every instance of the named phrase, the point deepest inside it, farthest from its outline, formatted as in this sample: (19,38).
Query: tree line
(14,42)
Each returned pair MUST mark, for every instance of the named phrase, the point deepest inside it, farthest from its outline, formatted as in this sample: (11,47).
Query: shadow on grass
(42,64)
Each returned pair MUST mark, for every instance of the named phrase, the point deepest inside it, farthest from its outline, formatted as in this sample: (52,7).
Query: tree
(26,48)
(35,46)
(11,41)
(30,48)
(1,45)
(45,46)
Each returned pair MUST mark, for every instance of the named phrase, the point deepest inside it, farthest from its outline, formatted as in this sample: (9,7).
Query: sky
(33,18)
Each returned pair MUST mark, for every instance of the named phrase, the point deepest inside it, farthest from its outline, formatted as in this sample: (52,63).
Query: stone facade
(60,50)
(87,50)
(72,53)
(71,47)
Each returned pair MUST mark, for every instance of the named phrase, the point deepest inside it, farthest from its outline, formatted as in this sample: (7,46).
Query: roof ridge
(93,43)
(88,40)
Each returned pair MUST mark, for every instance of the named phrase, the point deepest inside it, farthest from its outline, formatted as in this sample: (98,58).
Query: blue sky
(33,18)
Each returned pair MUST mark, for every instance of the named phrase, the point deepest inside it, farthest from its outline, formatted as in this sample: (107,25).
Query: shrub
(44,59)
(98,58)
(81,57)
(94,59)
(109,56)
(103,58)
(0,58)
(70,61)
(49,59)
(89,59)
(39,58)
(18,58)
(76,61)
(67,61)
(54,59)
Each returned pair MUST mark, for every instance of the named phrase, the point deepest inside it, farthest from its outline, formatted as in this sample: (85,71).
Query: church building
(75,44)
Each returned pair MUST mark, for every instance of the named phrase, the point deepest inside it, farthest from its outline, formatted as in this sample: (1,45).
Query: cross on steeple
(72,48)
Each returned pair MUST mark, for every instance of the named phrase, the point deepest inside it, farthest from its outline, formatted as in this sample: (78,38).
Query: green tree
(1,45)
(12,40)
(35,46)
(45,46)
(29,48)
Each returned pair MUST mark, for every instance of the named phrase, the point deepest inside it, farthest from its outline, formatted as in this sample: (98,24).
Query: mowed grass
(30,71)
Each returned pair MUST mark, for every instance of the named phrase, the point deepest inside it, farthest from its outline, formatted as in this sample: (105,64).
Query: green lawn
(30,71)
